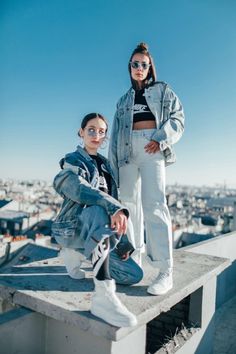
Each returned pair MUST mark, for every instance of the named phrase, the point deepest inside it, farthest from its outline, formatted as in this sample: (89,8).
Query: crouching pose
(92,223)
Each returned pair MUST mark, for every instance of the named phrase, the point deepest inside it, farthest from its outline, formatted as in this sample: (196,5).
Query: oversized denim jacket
(169,115)
(78,184)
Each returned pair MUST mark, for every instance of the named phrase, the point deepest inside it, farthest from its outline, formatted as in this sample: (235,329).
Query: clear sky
(61,59)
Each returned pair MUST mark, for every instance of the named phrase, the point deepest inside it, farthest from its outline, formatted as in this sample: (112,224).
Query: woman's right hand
(119,222)
(152,147)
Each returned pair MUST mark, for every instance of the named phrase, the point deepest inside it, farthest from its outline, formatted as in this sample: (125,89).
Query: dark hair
(90,116)
(142,48)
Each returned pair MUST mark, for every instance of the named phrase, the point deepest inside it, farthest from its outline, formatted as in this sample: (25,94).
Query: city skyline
(60,60)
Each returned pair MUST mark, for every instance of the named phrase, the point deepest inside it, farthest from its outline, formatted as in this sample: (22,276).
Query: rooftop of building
(35,278)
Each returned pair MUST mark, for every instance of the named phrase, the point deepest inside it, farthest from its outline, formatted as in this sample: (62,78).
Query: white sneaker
(106,305)
(72,260)
(162,284)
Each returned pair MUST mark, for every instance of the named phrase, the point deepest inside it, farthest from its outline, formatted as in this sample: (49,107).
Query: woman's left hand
(125,256)
(119,222)
(152,147)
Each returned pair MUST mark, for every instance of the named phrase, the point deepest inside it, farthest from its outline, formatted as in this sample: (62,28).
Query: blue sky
(62,59)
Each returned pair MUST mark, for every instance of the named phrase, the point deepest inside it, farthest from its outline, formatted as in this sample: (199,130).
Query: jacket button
(126,143)
(126,161)
(126,126)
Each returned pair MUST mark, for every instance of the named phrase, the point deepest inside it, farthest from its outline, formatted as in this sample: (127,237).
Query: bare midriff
(144,124)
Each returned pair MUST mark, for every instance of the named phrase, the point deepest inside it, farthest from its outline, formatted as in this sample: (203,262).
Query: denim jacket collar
(83,153)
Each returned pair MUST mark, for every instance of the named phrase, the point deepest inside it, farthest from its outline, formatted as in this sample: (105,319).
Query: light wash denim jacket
(169,115)
(78,184)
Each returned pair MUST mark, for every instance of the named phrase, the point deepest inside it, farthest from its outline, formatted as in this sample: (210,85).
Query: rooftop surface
(12,214)
(36,278)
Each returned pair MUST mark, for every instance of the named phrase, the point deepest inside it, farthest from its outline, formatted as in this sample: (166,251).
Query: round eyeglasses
(137,64)
(93,132)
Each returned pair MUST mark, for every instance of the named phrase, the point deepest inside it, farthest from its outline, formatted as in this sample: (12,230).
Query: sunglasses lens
(145,66)
(135,64)
(93,133)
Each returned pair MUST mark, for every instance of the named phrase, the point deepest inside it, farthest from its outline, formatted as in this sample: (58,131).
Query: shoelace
(163,276)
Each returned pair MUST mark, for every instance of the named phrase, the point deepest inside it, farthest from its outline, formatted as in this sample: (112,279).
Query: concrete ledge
(220,246)
(36,279)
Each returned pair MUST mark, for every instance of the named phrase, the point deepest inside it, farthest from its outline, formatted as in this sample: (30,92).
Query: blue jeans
(124,272)
(95,226)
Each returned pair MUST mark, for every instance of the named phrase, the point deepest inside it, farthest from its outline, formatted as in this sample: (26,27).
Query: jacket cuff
(162,143)
(126,212)
(160,137)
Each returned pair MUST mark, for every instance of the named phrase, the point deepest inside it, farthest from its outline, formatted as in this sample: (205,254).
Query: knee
(96,209)
(137,276)
(124,272)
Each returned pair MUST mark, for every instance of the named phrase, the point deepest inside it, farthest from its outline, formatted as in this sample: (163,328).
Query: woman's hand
(119,222)
(152,147)
(125,256)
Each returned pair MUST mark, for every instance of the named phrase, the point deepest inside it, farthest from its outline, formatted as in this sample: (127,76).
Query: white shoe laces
(163,276)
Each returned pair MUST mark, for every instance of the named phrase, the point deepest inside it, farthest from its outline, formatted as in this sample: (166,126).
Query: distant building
(187,239)
(11,222)
(43,227)
(223,204)
(4,202)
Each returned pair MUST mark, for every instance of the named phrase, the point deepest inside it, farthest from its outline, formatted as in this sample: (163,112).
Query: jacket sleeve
(76,188)
(172,126)
(112,153)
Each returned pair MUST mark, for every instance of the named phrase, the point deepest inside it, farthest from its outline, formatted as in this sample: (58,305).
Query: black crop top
(104,176)
(141,111)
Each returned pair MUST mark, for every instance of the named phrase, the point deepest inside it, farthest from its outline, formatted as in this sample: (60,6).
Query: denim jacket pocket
(66,232)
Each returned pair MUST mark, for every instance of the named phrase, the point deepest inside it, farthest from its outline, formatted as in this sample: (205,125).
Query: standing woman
(92,223)
(149,119)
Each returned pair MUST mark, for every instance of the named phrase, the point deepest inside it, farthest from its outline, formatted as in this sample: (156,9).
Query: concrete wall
(220,246)
(22,331)
(62,338)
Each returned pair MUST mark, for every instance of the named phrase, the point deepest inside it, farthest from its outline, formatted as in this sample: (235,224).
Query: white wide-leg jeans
(142,191)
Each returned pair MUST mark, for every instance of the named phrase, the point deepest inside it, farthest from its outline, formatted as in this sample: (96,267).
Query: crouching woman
(92,223)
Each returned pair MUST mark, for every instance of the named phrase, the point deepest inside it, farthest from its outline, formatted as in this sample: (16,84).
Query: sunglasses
(137,64)
(93,132)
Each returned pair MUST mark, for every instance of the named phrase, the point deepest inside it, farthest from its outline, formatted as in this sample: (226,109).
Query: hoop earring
(81,142)
(104,144)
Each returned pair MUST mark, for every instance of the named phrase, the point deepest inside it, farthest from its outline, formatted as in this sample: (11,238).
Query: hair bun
(142,46)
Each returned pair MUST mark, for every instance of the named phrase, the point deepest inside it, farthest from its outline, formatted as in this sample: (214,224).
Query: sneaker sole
(152,292)
(114,321)
(78,276)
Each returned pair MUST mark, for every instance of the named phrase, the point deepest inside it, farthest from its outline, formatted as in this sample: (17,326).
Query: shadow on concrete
(46,282)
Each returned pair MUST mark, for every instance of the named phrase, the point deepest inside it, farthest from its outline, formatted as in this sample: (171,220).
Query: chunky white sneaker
(72,260)
(162,284)
(107,306)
